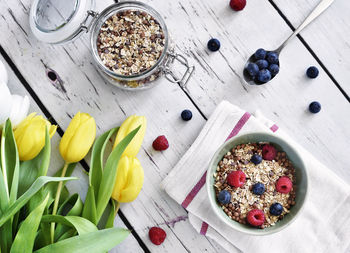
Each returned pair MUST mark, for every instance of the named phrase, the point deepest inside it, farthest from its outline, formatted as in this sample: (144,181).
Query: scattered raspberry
(269,152)
(284,185)
(156,235)
(238,5)
(160,143)
(236,178)
(256,217)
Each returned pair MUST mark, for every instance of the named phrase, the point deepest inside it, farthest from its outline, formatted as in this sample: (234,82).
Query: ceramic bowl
(300,173)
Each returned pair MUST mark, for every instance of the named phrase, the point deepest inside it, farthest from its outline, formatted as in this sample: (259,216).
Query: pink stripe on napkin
(201,182)
(194,191)
(239,125)
(204,228)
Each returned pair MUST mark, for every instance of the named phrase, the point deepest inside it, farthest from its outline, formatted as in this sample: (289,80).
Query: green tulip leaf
(52,187)
(98,241)
(32,169)
(89,211)
(70,233)
(10,161)
(111,216)
(110,173)
(73,206)
(81,225)
(28,230)
(21,201)
(97,155)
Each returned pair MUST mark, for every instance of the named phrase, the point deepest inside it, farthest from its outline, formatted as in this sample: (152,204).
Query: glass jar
(57,21)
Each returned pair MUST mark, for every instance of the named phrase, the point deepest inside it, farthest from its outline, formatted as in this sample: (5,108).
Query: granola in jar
(131,42)
(255,184)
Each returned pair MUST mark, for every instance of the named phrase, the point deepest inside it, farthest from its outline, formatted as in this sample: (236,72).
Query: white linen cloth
(323,224)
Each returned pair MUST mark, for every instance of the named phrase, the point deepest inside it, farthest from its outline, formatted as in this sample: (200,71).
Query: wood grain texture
(83,89)
(217,77)
(328,36)
(79,186)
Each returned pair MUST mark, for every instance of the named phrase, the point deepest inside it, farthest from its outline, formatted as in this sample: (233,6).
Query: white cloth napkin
(323,225)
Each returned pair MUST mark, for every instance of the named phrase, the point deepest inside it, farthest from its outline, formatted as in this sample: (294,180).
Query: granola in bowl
(255,184)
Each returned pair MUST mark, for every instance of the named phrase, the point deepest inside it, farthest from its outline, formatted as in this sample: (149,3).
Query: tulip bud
(130,124)
(129,179)
(30,136)
(78,138)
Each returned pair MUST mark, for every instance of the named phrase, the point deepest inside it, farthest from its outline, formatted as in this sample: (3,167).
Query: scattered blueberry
(315,107)
(260,54)
(186,115)
(264,76)
(274,69)
(213,45)
(224,197)
(258,189)
(262,64)
(272,57)
(252,69)
(256,159)
(276,209)
(312,72)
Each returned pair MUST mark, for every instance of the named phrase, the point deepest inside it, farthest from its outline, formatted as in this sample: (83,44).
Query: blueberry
(274,69)
(315,107)
(264,76)
(252,69)
(276,209)
(312,72)
(186,115)
(260,54)
(213,45)
(258,189)
(262,64)
(256,159)
(272,57)
(224,197)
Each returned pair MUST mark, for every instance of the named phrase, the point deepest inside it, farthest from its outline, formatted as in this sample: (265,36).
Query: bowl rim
(232,223)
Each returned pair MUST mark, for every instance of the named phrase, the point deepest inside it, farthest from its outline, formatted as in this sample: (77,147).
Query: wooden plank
(85,90)
(79,186)
(191,23)
(284,100)
(328,36)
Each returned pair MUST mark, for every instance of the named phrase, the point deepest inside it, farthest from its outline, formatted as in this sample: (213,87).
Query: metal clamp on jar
(129,40)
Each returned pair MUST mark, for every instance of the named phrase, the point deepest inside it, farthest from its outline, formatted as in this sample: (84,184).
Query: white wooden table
(325,44)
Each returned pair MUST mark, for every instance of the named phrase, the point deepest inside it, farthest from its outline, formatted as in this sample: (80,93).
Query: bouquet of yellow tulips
(37,213)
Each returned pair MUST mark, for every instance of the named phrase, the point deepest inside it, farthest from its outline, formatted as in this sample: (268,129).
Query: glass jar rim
(115,8)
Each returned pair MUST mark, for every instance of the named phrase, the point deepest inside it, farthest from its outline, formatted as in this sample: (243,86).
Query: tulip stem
(57,199)
(116,209)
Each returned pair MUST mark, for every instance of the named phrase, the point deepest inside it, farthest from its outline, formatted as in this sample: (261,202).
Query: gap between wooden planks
(205,93)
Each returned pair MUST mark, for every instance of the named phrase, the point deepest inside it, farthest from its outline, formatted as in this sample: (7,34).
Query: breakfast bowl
(257,191)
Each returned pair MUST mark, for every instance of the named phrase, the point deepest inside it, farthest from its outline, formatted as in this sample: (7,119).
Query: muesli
(255,184)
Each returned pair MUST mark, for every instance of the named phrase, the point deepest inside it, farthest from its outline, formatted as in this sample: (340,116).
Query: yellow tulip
(130,124)
(78,138)
(129,179)
(30,136)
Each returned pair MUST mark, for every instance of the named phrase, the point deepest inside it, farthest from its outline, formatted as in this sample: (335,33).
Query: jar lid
(57,21)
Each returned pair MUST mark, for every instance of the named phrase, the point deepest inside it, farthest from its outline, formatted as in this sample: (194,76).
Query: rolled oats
(130,42)
(267,172)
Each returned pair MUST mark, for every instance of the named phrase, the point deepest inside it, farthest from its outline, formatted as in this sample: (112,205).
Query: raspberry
(160,143)
(284,185)
(236,178)
(238,5)
(156,235)
(256,217)
(269,152)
